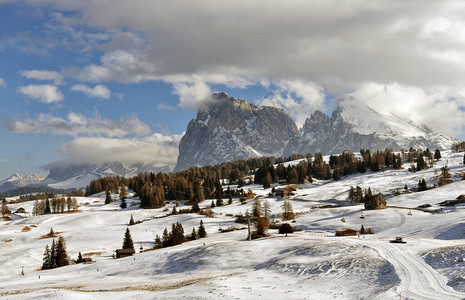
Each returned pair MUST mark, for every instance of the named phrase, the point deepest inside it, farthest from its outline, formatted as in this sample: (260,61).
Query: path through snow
(418,279)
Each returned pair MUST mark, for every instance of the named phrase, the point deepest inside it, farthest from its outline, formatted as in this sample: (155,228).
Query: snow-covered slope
(311,263)
(353,126)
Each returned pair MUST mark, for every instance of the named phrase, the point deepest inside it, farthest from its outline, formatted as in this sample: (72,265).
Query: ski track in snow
(418,279)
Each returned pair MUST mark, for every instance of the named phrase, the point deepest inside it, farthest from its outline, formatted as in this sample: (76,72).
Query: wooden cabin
(120,253)
(87,260)
(347,232)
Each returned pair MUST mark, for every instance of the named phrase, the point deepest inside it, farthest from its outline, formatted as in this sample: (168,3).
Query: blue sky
(94,81)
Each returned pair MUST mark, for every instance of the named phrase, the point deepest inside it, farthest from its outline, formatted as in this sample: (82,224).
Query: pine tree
(158,242)
(79,260)
(131,221)
(195,207)
(201,231)
(127,241)
(123,204)
(47,260)
(53,255)
(437,154)
(166,239)
(193,234)
(51,233)
(256,208)
(47,207)
(267,181)
(108,197)
(61,256)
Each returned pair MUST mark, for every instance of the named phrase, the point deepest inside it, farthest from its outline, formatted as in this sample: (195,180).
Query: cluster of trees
(38,196)
(56,205)
(357,194)
(56,255)
(29,190)
(194,185)
(176,235)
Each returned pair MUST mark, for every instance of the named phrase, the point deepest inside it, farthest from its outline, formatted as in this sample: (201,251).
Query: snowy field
(308,264)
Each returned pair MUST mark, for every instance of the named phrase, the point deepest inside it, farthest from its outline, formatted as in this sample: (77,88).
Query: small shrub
(26,229)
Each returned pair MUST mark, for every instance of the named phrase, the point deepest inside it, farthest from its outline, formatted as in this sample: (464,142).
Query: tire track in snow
(418,279)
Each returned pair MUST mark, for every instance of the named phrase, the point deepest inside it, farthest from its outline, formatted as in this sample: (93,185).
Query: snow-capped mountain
(229,129)
(16,181)
(67,176)
(353,126)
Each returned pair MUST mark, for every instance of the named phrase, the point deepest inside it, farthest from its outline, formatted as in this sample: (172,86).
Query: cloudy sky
(92,81)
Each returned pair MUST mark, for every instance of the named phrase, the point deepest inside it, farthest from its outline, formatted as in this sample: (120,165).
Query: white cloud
(43,75)
(338,45)
(78,125)
(98,91)
(157,148)
(438,108)
(2,82)
(44,93)
(192,95)
(298,98)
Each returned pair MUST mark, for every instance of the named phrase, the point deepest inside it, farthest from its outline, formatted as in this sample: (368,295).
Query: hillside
(224,265)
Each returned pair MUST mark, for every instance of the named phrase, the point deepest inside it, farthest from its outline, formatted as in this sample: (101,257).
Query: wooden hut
(120,253)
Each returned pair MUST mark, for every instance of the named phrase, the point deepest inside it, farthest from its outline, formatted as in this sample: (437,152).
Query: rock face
(353,126)
(230,129)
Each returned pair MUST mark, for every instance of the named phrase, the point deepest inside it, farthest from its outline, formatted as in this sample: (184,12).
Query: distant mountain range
(16,181)
(228,129)
(67,176)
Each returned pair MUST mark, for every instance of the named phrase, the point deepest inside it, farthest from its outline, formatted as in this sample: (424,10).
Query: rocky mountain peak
(228,129)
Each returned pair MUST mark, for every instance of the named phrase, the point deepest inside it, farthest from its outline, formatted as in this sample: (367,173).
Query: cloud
(43,75)
(99,91)
(157,148)
(44,93)
(2,82)
(192,95)
(339,46)
(78,125)
(298,98)
(438,108)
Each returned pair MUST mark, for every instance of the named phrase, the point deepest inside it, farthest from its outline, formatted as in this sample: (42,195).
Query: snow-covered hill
(311,263)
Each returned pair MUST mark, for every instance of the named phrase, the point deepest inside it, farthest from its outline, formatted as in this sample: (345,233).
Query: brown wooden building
(347,232)
(120,253)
